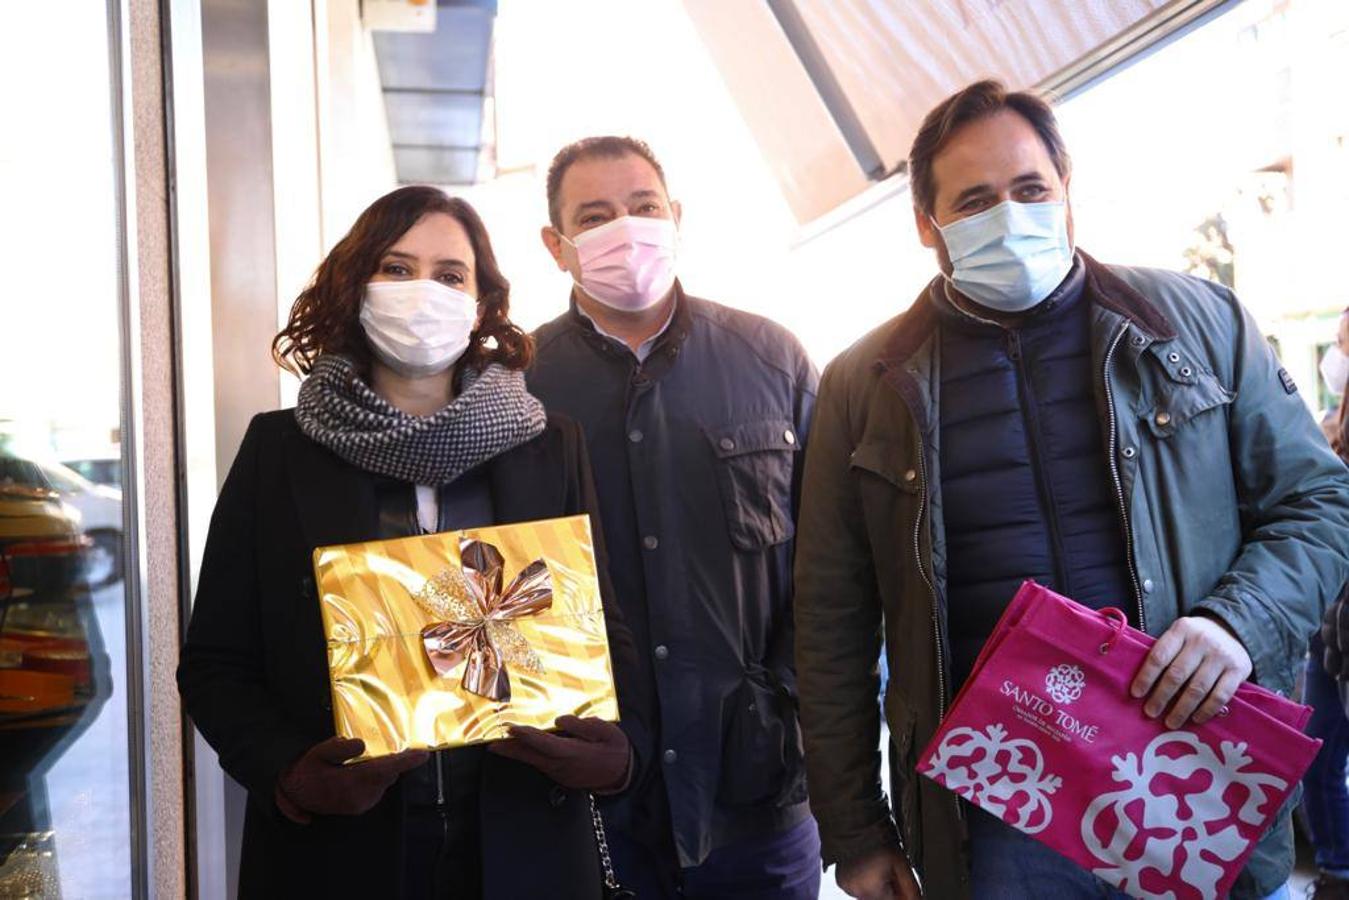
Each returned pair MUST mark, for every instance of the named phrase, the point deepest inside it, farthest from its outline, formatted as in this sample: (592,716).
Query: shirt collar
(643,349)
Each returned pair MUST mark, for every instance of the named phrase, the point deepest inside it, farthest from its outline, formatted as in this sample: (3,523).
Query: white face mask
(417,328)
(1335,369)
(1011,256)
(627,264)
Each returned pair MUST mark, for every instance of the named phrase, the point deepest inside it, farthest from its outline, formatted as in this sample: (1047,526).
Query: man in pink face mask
(694,415)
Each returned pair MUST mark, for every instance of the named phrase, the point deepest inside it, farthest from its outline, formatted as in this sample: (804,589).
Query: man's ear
(552,240)
(927,232)
(677,211)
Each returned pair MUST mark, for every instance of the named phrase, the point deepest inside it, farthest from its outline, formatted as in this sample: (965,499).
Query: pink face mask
(627,264)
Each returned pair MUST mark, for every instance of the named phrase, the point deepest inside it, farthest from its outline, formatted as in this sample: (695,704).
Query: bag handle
(1118,621)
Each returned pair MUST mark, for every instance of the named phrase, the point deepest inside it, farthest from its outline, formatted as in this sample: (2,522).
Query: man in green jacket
(1124,436)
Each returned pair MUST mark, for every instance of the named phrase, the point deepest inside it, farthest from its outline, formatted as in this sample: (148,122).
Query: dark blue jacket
(696,454)
(1023,468)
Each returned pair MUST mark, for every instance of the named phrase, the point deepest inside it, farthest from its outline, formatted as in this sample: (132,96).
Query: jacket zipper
(440,780)
(1115,476)
(1030,417)
(932,590)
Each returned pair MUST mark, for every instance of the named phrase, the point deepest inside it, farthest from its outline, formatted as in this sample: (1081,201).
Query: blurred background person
(1326,796)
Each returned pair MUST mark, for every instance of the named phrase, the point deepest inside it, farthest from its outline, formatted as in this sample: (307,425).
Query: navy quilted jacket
(1023,468)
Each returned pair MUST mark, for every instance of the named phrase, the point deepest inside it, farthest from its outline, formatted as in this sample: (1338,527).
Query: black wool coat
(254,678)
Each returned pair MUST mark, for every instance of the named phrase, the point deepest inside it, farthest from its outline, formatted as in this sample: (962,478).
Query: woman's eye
(452,278)
(395,269)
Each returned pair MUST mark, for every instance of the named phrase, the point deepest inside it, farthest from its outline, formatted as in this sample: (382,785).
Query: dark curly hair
(326,315)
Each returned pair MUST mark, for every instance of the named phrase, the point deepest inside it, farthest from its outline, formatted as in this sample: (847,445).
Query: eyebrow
(399,254)
(643,194)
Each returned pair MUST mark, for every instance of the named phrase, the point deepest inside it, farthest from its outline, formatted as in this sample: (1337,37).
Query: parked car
(100,509)
(106,471)
(41,536)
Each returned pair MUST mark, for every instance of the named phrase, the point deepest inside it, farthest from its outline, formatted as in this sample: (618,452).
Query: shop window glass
(65,825)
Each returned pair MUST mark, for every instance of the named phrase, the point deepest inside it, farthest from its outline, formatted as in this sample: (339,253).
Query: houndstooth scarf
(493,413)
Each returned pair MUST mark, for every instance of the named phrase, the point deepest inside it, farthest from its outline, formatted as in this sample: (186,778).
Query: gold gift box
(445,640)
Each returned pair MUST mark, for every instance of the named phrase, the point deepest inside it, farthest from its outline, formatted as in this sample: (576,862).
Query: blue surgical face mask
(1010,257)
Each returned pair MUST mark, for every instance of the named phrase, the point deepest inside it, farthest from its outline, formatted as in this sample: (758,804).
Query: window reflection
(65,825)
(54,670)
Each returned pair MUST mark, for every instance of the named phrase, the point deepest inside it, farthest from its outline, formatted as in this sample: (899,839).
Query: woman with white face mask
(414,418)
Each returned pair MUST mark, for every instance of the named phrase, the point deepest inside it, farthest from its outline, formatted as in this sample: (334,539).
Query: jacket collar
(674,335)
(525,482)
(1103,288)
(336,501)
(1068,293)
(1108,290)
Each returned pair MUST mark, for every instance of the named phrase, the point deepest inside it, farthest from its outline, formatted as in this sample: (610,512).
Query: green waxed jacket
(1233,504)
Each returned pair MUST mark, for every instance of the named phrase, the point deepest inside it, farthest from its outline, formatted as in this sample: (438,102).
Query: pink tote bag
(1045,736)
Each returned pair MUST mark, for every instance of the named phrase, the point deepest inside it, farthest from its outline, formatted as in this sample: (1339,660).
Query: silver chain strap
(601,841)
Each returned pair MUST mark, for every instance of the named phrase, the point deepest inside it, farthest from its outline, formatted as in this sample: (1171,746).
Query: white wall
(331,154)
(356,153)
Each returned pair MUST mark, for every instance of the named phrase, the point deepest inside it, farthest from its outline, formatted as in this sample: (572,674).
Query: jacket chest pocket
(754,466)
(887,461)
(1180,399)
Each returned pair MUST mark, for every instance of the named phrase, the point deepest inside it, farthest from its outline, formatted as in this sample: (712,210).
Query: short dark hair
(326,317)
(607,146)
(978,101)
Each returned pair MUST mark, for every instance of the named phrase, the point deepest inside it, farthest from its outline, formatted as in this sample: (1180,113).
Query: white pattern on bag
(1194,817)
(1064,683)
(967,762)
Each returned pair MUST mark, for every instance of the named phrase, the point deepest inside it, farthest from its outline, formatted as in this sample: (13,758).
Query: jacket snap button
(670,757)
(1186,371)
(1173,357)
(662,652)
(1163,419)
(650,542)
(1147,585)
(635,435)
(788,436)
(910,475)
(727,444)
(1129,452)
(557,796)
(1139,340)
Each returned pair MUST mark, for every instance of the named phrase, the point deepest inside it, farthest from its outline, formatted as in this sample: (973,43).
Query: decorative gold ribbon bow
(477,618)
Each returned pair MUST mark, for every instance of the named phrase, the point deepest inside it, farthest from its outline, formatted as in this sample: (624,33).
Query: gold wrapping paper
(388,606)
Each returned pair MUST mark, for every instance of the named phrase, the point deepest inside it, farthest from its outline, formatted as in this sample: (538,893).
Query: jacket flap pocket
(753,437)
(886,460)
(1175,407)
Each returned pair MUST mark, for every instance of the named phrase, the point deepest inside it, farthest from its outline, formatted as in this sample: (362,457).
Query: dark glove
(319,784)
(585,754)
(1335,635)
